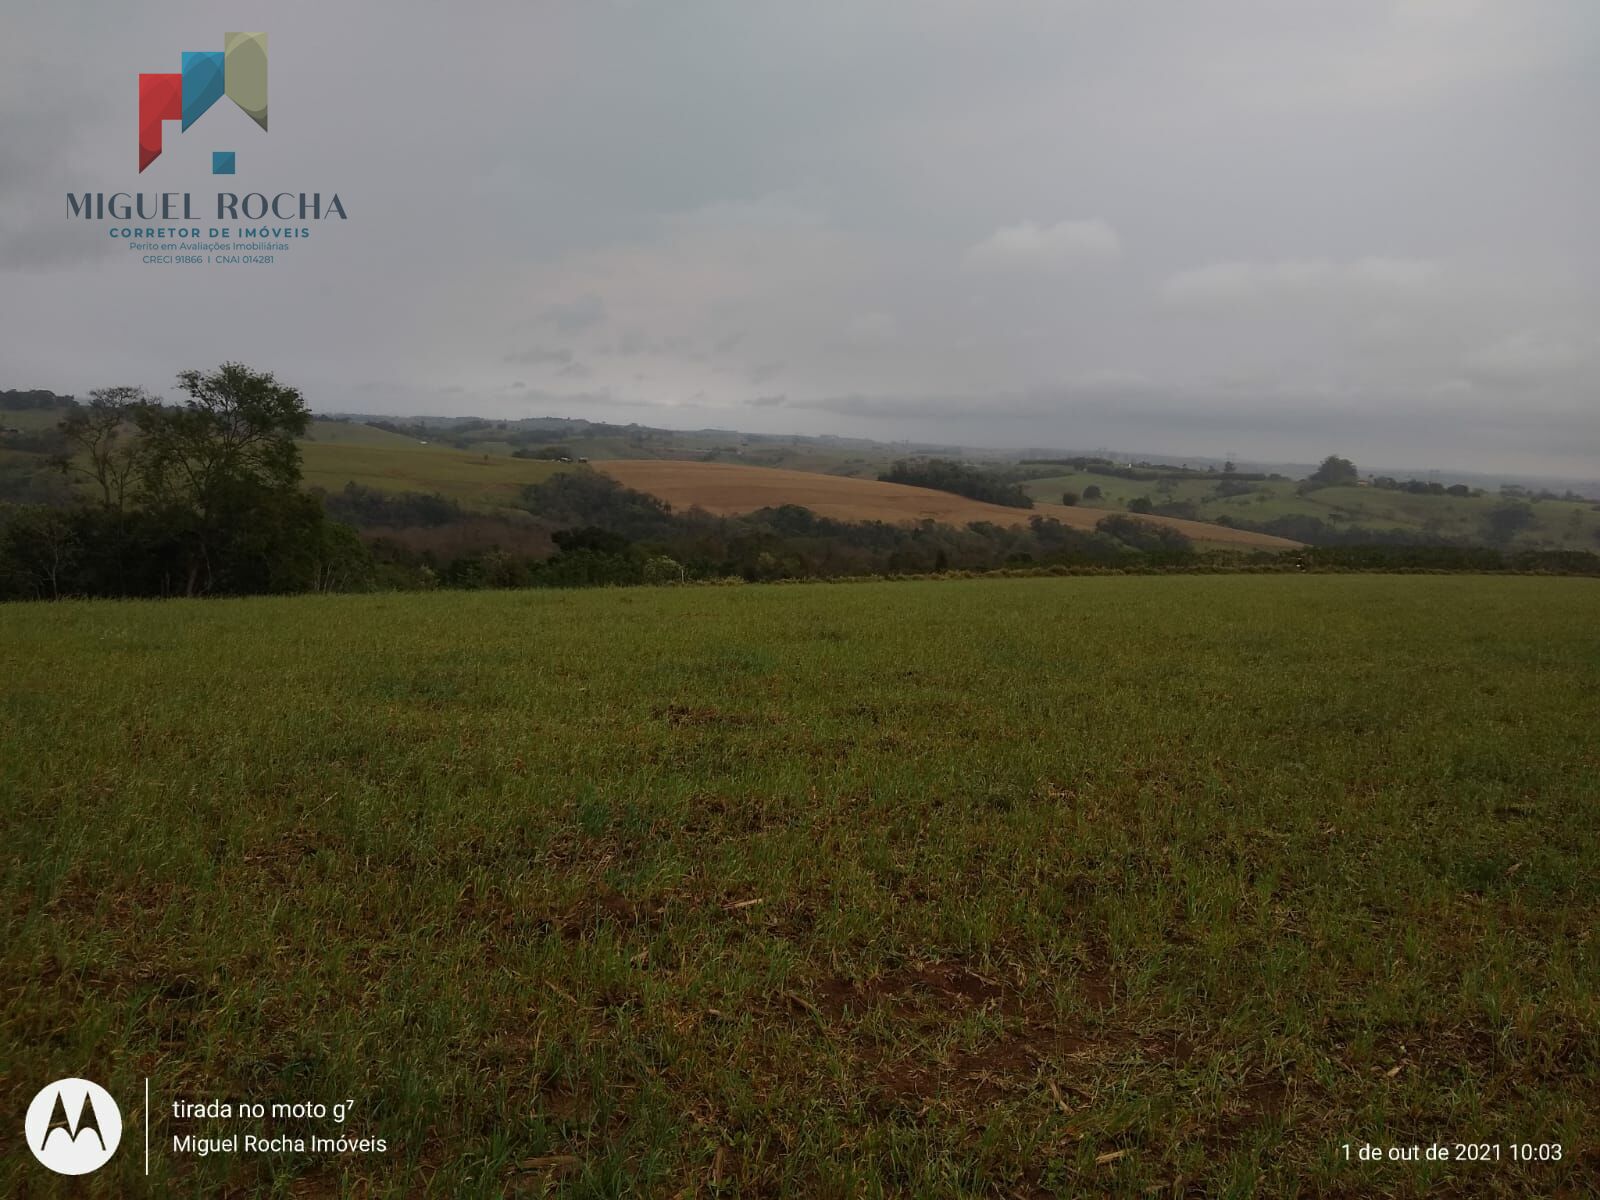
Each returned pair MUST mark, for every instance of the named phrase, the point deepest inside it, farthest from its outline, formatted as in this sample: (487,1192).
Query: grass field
(1127,885)
(477,480)
(355,433)
(727,488)
(32,420)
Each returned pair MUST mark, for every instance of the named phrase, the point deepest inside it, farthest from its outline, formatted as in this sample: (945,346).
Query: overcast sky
(1176,226)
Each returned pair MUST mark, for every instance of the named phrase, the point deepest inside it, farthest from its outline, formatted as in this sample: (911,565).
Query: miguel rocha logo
(173,228)
(237,71)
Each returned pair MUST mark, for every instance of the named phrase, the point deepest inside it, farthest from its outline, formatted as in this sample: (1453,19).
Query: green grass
(30,420)
(355,433)
(476,479)
(1559,524)
(865,889)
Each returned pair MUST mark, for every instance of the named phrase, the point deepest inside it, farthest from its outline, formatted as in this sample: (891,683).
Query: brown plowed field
(726,488)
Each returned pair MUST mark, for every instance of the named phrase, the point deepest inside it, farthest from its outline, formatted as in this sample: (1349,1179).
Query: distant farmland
(728,488)
(476,479)
(1564,524)
(1131,886)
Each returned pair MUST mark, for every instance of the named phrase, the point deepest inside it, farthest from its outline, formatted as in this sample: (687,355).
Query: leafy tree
(1186,509)
(590,537)
(236,432)
(1147,537)
(223,465)
(14,401)
(103,442)
(38,552)
(1093,492)
(1507,520)
(1069,498)
(1140,504)
(1335,471)
(947,475)
(366,507)
(663,570)
(582,497)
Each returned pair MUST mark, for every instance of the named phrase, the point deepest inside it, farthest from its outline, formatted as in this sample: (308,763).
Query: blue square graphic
(222,162)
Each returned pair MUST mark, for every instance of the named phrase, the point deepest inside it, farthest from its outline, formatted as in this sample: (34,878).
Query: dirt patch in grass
(907,989)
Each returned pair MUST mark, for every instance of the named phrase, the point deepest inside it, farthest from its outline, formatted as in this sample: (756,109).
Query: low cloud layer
(1272,230)
(1030,247)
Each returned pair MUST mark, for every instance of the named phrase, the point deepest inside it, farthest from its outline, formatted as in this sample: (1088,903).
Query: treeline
(202,498)
(1498,528)
(525,439)
(1444,558)
(15,401)
(610,534)
(1146,472)
(1423,487)
(947,475)
(365,507)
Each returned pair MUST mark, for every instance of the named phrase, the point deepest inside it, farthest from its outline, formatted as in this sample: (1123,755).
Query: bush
(1147,537)
(366,507)
(662,570)
(946,475)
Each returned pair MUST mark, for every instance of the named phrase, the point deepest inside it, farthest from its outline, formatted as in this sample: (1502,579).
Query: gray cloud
(574,316)
(1527,355)
(537,355)
(1199,228)
(1225,284)
(1028,247)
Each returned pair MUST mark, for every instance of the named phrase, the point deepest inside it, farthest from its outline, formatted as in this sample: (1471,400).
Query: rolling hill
(725,488)
(1555,524)
(477,480)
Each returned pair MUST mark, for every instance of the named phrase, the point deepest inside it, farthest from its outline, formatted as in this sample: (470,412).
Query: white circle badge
(73,1126)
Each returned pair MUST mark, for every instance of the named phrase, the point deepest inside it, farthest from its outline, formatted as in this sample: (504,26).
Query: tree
(103,441)
(1147,537)
(662,570)
(38,550)
(1069,498)
(1092,492)
(1335,471)
(1140,504)
(222,468)
(947,475)
(237,430)
(1228,468)
(1508,520)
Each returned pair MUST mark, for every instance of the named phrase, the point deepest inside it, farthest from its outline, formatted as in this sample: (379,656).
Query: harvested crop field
(725,488)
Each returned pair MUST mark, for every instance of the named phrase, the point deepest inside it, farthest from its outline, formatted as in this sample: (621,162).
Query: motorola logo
(73,1126)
